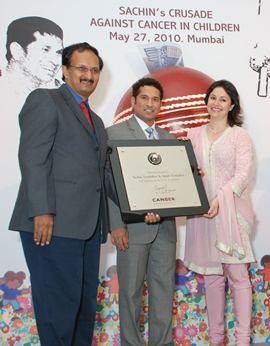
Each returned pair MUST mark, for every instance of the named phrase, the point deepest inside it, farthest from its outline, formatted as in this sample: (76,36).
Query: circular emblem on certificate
(154,158)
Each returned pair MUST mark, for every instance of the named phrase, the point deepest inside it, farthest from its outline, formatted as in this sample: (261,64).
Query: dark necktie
(86,114)
(150,132)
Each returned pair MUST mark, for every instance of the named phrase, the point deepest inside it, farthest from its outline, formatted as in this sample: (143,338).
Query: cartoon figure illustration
(261,63)
(265,262)
(260,58)
(259,6)
(200,290)
(112,284)
(9,285)
(181,277)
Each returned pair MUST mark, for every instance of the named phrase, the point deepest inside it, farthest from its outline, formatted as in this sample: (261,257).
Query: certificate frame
(122,176)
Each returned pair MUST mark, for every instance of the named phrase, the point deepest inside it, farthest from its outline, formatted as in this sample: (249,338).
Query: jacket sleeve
(115,216)
(38,123)
(113,203)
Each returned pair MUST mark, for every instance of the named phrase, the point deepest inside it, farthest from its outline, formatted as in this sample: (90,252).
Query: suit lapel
(161,134)
(99,133)
(134,128)
(137,132)
(75,108)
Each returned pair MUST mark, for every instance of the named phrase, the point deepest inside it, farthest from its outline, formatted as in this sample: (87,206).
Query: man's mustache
(91,81)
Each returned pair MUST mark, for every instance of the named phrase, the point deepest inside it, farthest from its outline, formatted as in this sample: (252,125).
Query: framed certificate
(159,176)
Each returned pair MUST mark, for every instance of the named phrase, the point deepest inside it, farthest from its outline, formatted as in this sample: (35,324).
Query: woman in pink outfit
(218,243)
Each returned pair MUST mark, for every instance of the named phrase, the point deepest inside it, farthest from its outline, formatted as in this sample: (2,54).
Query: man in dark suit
(144,250)
(61,209)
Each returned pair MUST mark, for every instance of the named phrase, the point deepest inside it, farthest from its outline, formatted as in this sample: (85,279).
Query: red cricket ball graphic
(183,104)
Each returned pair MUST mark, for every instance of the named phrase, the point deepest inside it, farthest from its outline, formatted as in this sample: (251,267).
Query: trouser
(64,280)
(156,263)
(240,286)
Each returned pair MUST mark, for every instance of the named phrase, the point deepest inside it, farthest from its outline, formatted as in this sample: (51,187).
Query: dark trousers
(64,280)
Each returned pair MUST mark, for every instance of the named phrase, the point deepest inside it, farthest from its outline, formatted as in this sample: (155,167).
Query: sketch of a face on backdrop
(34,47)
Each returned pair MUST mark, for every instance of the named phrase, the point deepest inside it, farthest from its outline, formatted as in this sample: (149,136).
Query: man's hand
(213,209)
(151,218)
(43,228)
(201,172)
(119,238)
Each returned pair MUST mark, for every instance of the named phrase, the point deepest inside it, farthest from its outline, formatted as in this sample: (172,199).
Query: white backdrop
(124,64)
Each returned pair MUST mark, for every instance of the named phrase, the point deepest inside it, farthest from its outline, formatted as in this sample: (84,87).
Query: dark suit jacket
(63,166)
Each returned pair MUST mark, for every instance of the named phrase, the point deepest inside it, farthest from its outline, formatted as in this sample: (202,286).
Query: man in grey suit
(144,250)
(61,209)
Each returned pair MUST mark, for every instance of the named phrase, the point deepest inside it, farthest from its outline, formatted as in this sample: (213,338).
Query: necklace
(216,132)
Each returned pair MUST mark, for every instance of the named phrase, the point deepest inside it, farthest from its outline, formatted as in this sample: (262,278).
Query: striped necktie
(150,133)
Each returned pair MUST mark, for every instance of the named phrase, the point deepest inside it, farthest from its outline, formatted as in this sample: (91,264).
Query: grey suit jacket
(63,166)
(139,233)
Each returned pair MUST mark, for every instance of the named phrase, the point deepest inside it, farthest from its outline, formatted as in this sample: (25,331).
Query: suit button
(98,189)
(97,148)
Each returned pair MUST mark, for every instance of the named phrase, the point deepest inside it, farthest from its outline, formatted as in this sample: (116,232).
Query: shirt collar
(77,97)
(144,126)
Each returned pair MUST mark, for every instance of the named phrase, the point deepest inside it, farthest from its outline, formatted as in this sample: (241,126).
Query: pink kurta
(228,166)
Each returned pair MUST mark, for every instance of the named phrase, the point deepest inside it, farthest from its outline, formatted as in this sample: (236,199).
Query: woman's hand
(213,210)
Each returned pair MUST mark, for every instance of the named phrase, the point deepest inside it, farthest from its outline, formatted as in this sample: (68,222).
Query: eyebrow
(224,96)
(142,94)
